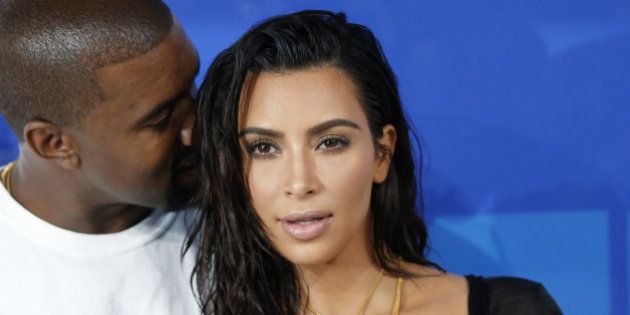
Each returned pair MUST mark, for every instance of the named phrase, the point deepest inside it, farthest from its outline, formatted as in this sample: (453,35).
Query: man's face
(134,146)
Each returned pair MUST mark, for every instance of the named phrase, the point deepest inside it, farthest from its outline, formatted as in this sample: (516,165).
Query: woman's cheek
(349,178)
(264,184)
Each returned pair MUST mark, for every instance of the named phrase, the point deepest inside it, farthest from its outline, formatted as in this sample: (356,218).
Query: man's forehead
(163,72)
(169,53)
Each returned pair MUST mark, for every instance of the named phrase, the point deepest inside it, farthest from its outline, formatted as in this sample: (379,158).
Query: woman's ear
(384,153)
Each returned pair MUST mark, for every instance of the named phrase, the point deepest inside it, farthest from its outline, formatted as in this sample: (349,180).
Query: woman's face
(311,162)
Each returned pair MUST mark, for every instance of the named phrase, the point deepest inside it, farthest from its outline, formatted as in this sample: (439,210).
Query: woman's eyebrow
(331,124)
(260,131)
(319,128)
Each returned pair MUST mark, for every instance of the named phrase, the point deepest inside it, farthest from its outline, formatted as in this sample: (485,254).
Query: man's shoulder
(183,223)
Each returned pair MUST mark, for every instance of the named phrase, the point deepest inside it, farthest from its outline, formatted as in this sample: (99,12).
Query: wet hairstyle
(238,270)
(50,49)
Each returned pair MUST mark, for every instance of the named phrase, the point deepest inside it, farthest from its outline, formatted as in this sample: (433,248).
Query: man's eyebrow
(331,124)
(170,103)
(260,131)
(159,109)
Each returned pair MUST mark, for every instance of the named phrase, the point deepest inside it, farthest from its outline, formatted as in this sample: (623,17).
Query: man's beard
(179,196)
(184,182)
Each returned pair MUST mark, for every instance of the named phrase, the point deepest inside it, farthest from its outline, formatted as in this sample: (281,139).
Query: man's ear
(52,143)
(384,153)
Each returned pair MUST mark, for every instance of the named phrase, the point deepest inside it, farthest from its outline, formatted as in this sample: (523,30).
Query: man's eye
(161,124)
(332,143)
(162,121)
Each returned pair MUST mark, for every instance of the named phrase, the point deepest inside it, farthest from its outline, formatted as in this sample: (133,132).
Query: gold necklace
(5,175)
(369,296)
(396,308)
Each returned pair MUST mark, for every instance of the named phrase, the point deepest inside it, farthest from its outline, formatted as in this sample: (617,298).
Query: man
(99,95)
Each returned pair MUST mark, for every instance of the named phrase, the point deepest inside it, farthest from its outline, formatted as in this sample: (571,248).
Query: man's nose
(186,131)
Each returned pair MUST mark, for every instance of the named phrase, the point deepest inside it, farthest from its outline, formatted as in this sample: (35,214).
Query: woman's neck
(338,288)
(342,286)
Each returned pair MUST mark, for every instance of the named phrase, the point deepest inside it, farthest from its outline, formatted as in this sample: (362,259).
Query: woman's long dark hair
(238,271)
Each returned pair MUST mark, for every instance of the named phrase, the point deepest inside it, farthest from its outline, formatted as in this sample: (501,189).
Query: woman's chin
(305,257)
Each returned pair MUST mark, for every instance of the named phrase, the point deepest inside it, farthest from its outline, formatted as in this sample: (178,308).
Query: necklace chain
(369,296)
(5,175)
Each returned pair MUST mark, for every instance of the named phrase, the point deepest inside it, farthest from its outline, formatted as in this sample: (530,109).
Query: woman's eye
(332,143)
(262,149)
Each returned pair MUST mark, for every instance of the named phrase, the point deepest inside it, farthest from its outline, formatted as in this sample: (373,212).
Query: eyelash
(340,143)
(163,122)
(252,147)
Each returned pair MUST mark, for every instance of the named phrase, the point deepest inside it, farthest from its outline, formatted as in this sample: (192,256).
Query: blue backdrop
(522,110)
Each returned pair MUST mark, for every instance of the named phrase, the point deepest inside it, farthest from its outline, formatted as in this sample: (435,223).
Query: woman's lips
(306,226)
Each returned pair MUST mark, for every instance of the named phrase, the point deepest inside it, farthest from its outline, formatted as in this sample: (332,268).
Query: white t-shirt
(48,270)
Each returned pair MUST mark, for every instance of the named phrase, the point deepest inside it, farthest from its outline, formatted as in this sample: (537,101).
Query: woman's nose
(302,179)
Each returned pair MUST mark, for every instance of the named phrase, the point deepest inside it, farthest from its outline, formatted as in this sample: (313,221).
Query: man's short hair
(50,49)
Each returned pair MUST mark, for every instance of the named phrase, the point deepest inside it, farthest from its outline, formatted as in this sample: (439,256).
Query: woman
(309,190)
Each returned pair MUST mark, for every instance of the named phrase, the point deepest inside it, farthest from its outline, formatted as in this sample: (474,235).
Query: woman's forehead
(315,94)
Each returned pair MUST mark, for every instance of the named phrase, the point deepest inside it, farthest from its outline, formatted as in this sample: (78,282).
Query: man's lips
(304,226)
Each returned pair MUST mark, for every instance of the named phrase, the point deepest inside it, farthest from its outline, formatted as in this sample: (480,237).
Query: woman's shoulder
(509,295)
(434,291)
(439,292)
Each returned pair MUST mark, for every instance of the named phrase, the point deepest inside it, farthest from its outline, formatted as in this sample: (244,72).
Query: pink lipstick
(306,226)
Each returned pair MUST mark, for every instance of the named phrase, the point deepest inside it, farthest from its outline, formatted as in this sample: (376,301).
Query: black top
(509,296)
